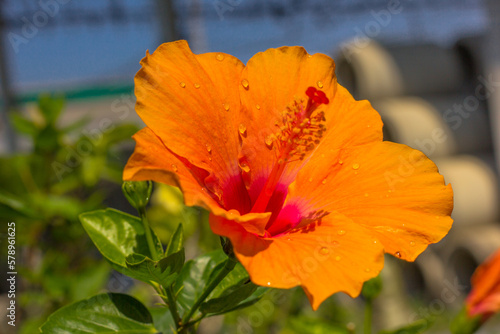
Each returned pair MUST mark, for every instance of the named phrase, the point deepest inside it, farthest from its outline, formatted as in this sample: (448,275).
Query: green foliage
(44,190)
(309,325)
(464,324)
(104,313)
(117,235)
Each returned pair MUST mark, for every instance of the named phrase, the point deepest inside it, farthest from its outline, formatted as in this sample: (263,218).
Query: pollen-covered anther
(302,127)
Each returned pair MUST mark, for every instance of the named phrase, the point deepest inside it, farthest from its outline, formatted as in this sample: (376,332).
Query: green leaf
(162,272)
(47,140)
(117,235)
(51,107)
(229,300)
(77,125)
(163,320)
(309,325)
(194,277)
(104,313)
(416,327)
(23,125)
(464,324)
(176,241)
(197,273)
(17,204)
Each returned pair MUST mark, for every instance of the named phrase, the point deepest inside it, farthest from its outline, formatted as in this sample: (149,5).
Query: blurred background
(430,68)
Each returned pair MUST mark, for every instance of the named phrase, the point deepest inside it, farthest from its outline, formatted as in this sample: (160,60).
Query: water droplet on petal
(209,148)
(226,106)
(367,270)
(341,232)
(219,57)
(268,283)
(337,258)
(197,85)
(245,83)
(324,250)
(242,129)
(398,254)
(258,107)
(324,181)
(174,167)
(355,166)
(374,241)
(412,243)
(183,84)
(341,162)
(320,84)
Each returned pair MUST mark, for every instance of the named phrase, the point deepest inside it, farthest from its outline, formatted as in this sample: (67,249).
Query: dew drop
(209,148)
(242,129)
(374,241)
(355,166)
(182,84)
(337,258)
(257,106)
(233,212)
(367,270)
(244,167)
(245,83)
(197,85)
(324,250)
(219,57)
(341,162)
(226,106)
(320,84)
(398,254)
(174,167)
(341,232)
(324,181)
(268,283)
(412,243)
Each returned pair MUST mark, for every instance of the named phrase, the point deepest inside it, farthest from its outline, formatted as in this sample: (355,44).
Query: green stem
(149,235)
(367,326)
(228,266)
(172,305)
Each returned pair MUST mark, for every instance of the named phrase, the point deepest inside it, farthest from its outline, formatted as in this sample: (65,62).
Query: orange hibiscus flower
(484,299)
(293,170)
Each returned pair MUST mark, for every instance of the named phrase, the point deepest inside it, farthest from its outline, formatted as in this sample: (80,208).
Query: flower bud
(137,193)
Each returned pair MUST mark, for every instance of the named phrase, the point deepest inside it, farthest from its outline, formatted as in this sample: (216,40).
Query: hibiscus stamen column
(302,129)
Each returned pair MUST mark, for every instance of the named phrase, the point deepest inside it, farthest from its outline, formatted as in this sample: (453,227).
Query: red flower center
(302,129)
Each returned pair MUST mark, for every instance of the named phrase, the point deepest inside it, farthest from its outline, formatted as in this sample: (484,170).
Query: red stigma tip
(317,96)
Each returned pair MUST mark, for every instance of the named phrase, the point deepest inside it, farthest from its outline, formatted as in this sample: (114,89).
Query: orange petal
(394,191)
(270,81)
(324,258)
(189,102)
(151,160)
(485,295)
